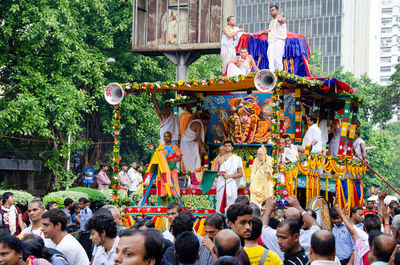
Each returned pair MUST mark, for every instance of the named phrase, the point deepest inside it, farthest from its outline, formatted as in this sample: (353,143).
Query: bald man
(322,249)
(296,212)
(227,243)
(382,248)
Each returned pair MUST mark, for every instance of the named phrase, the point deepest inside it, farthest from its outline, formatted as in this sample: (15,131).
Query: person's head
(256,209)
(133,164)
(313,214)
(151,146)
(38,198)
(140,169)
(370,205)
(226,243)
(68,202)
(260,154)
(33,246)
(124,166)
(212,225)
(288,141)
(395,227)
(182,223)
(142,224)
(357,214)
(116,214)
(167,108)
(357,134)
(274,11)
(103,167)
(256,228)
(173,209)
(371,236)
(51,205)
(282,144)
(8,199)
(335,217)
(231,21)
(83,203)
(288,234)
(187,248)
(239,218)
(228,146)
(382,247)
(244,52)
(205,118)
(53,222)
(221,149)
(1,200)
(392,206)
(322,246)
(312,119)
(293,213)
(227,260)
(35,211)
(101,227)
(371,222)
(243,199)
(146,250)
(76,209)
(167,137)
(11,250)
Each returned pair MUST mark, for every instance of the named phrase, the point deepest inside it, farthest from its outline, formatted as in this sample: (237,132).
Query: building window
(386,30)
(386,69)
(387,11)
(386,50)
(386,21)
(386,41)
(386,59)
(385,79)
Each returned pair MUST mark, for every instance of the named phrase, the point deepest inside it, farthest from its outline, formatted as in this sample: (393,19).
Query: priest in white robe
(313,137)
(169,121)
(230,177)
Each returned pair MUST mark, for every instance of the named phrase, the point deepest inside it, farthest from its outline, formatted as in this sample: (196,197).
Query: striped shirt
(298,258)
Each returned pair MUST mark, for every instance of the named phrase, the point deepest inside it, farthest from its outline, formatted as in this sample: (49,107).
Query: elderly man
(227,243)
(322,250)
(169,121)
(261,177)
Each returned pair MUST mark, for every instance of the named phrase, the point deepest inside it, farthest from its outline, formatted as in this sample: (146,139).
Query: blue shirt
(86,214)
(344,241)
(360,225)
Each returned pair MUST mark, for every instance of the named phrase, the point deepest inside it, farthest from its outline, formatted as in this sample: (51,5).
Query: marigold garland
(116,158)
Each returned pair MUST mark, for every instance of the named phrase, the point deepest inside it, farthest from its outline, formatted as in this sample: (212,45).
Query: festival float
(254,110)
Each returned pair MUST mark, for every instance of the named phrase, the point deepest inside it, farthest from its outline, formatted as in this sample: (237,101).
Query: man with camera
(295,212)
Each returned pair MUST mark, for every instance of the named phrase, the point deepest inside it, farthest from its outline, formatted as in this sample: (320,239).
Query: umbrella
(387,200)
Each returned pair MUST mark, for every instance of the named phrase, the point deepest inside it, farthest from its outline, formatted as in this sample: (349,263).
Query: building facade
(390,39)
(334,27)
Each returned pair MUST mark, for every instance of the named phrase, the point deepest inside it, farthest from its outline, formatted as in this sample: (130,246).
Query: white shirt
(291,153)
(135,178)
(73,251)
(102,258)
(313,133)
(168,235)
(47,241)
(277,31)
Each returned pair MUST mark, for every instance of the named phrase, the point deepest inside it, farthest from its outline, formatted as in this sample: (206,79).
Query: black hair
(396,210)
(103,222)
(313,118)
(393,204)
(354,210)
(123,164)
(205,116)
(6,196)
(256,209)
(84,200)
(229,18)
(50,204)
(236,210)
(38,197)
(34,246)
(244,48)
(227,260)
(397,259)
(214,220)
(382,253)
(273,222)
(372,234)
(143,222)
(173,206)
(294,226)
(182,223)
(285,136)
(313,213)
(224,224)
(323,245)
(371,222)
(333,213)
(243,199)
(68,201)
(12,242)
(102,165)
(56,216)
(133,161)
(271,6)
(256,228)
(229,142)
(187,248)
(357,132)
(153,244)
(188,214)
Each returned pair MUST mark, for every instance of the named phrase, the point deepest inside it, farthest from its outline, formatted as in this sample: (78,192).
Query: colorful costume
(172,154)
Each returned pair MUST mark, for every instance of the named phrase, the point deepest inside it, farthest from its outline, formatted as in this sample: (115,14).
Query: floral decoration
(275,137)
(116,157)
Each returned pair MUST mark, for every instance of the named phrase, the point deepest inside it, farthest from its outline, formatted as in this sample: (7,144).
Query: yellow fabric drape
(261,185)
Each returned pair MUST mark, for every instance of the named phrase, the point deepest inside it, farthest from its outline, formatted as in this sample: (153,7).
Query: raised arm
(197,130)
(156,106)
(347,223)
(269,207)
(230,35)
(253,63)
(383,211)
(307,219)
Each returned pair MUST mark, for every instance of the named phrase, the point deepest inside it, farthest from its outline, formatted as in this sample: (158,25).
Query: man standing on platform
(168,121)
(173,156)
(230,177)
(229,41)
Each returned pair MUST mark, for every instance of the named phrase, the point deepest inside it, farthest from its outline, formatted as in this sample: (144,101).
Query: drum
(320,206)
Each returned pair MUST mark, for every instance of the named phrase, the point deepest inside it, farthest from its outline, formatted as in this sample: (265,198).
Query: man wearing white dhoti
(312,138)
(169,122)
(230,177)
(193,142)
(241,65)
(229,41)
(291,153)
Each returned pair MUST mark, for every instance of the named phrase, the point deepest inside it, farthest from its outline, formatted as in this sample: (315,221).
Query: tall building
(339,29)
(390,39)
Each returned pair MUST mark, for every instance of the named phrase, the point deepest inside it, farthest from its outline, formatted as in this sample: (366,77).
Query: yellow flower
(242,77)
(180,82)
(115,150)
(178,98)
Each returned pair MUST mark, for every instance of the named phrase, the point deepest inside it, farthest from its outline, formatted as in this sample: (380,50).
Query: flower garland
(275,137)
(116,121)
(179,100)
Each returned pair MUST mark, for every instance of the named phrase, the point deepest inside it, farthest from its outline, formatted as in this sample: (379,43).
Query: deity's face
(244,117)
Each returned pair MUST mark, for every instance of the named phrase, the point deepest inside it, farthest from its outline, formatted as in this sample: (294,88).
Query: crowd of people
(247,235)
